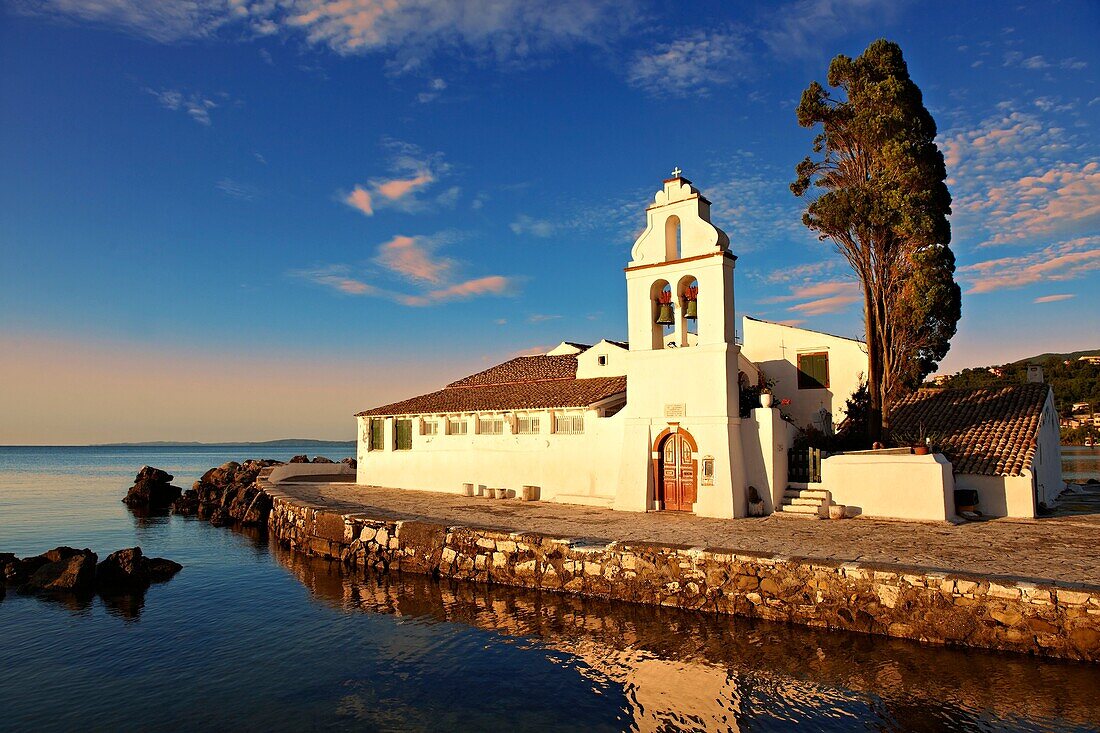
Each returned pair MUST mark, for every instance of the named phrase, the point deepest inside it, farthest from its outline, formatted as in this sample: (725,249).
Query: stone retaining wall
(912,603)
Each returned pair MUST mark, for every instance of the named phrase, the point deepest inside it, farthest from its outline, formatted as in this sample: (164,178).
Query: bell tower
(685,260)
(682,367)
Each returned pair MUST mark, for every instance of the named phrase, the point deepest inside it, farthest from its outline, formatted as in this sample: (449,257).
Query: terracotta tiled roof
(990,431)
(527,382)
(524,369)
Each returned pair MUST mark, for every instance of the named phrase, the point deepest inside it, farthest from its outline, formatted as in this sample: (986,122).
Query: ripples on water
(251,637)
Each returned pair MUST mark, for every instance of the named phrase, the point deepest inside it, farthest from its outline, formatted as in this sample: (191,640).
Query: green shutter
(377,434)
(403,434)
(813,371)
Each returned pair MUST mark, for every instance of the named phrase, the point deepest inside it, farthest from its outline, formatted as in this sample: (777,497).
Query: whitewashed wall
(572,468)
(775,348)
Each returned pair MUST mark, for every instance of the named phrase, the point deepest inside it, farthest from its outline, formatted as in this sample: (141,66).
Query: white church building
(651,424)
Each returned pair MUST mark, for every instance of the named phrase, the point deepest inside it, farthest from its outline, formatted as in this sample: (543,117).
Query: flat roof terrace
(1061,548)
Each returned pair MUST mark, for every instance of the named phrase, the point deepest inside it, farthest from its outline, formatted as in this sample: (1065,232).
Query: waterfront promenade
(1058,549)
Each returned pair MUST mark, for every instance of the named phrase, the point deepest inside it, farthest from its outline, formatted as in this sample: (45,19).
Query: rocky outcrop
(69,572)
(130,570)
(300,459)
(350,461)
(152,490)
(228,494)
(66,570)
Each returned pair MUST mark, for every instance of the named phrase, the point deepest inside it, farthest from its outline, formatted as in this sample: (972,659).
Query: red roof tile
(527,382)
(990,431)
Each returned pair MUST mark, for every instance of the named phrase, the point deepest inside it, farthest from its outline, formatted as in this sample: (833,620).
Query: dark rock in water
(187,504)
(152,490)
(71,573)
(129,570)
(228,493)
(300,459)
(350,461)
(148,473)
(321,459)
(162,569)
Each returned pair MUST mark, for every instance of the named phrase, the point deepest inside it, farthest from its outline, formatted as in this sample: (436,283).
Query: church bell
(664,315)
(691,309)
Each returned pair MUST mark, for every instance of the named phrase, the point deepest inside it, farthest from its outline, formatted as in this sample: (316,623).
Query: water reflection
(681,670)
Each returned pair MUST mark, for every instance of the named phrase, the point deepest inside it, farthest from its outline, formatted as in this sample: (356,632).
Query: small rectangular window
(490,426)
(456,427)
(377,438)
(431,427)
(813,370)
(527,425)
(569,424)
(402,434)
(602,359)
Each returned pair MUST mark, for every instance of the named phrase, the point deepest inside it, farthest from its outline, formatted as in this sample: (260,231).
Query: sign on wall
(678,409)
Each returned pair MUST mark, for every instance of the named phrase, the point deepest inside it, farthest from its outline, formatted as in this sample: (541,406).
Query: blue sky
(332,204)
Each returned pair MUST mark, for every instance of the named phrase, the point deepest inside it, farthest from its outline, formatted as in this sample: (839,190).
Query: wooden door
(677,474)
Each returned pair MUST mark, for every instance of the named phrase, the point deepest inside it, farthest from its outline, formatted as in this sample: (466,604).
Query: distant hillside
(1075,381)
(256,443)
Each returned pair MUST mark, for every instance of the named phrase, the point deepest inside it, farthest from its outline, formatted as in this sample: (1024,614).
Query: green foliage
(882,199)
(852,432)
(1077,381)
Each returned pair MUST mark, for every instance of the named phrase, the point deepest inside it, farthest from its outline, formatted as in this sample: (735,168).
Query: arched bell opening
(687,297)
(663,304)
(673,236)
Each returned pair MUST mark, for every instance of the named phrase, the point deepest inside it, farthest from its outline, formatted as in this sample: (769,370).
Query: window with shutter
(377,430)
(491,426)
(527,425)
(569,424)
(402,434)
(813,370)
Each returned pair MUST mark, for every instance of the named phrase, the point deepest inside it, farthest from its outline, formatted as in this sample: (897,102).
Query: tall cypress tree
(883,201)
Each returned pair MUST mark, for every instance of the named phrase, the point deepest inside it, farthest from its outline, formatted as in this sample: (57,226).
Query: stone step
(806,494)
(808,501)
(801,509)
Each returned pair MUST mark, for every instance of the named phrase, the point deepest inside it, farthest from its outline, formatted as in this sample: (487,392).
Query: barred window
(527,425)
(402,434)
(569,424)
(491,426)
(376,440)
(431,427)
(456,427)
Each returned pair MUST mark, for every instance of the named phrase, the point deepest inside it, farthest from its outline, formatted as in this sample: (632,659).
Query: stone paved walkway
(1061,548)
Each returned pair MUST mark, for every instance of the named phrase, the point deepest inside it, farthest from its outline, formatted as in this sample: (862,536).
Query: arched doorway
(676,470)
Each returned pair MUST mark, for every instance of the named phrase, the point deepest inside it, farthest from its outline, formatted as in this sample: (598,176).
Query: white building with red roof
(651,424)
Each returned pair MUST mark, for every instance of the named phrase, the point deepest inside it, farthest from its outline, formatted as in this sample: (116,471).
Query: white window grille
(528,425)
(490,426)
(569,424)
(456,427)
(430,427)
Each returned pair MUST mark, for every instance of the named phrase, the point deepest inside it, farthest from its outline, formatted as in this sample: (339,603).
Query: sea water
(249,636)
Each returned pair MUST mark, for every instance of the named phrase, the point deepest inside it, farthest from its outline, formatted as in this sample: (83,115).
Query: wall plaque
(678,409)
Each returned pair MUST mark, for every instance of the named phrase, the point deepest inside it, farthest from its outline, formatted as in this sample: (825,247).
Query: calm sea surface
(249,637)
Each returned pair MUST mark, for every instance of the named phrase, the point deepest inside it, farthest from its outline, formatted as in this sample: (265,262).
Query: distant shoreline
(195,444)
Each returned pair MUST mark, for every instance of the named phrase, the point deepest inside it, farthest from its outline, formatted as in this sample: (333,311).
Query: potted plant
(756,503)
(665,316)
(691,302)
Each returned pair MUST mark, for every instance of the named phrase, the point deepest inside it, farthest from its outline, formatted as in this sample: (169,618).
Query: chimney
(1035,373)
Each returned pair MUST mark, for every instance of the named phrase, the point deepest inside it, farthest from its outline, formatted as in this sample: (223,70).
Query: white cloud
(411,30)
(804,27)
(237,190)
(535,227)
(691,64)
(197,106)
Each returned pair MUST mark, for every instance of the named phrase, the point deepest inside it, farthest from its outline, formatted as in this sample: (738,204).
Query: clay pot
(837,511)
(766,399)
(921,450)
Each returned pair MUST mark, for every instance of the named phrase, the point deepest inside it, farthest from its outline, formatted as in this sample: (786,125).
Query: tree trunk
(874,366)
